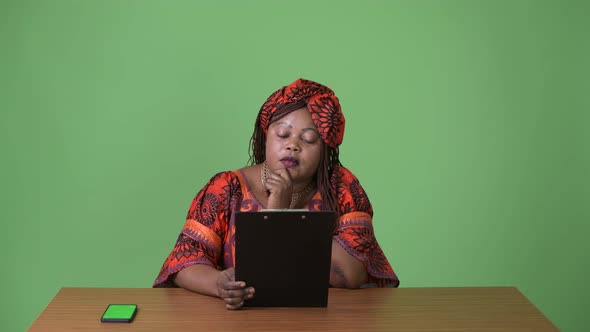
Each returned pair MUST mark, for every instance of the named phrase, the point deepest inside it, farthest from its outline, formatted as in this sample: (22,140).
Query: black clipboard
(285,255)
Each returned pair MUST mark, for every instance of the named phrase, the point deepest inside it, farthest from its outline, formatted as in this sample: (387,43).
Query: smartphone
(121,313)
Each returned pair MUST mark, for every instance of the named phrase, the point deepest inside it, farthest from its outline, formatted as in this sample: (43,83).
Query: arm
(346,271)
(357,257)
(191,264)
(204,279)
(199,278)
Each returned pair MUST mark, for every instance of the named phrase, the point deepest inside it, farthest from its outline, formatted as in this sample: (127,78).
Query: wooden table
(402,309)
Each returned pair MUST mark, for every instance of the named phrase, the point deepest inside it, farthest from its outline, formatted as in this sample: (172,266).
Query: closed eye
(310,136)
(308,140)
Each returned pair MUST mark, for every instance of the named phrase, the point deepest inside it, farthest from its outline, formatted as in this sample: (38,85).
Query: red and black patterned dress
(208,236)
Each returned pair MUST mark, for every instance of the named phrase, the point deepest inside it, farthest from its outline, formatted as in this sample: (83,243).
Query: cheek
(271,148)
(313,158)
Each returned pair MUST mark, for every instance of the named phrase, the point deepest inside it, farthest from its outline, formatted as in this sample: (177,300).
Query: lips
(289,162)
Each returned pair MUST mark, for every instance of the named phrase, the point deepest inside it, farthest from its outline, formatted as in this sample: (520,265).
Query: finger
(276,175)
(288,172)
(234,285)
(244,293)
(233,300)
(233,293)
(281,180)
(284,173)
(234,306)
(236,302)
(275,183)
(247,293)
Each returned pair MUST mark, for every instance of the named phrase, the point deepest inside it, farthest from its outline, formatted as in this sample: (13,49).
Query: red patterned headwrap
(321,103)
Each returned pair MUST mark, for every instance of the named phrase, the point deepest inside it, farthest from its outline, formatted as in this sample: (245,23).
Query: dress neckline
(244,181)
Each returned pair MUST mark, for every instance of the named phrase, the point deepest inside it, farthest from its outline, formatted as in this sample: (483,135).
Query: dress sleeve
(201,239)
(354,230)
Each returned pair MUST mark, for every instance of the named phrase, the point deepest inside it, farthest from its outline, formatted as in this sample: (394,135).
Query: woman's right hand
(233,292)
(279,186)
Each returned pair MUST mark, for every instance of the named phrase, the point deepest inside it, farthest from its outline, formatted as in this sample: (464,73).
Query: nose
(293,145)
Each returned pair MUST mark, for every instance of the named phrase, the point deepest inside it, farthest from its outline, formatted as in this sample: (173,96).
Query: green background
(467,124)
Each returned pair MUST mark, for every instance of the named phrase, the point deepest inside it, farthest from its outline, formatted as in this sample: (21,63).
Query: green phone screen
(119,313)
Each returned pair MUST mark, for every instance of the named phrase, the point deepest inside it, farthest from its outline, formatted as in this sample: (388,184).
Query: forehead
(300,118)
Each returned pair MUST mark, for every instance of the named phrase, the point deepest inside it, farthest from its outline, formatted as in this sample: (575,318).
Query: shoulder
(217,194)
(225,180)
(224,177)
(344,173)
(351,195)
(342,176)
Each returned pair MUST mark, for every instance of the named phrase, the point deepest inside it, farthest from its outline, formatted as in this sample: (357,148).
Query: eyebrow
(310,129)
(284,123)
(304,129)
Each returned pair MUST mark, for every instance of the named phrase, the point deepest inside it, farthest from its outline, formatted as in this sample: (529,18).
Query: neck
(301,187)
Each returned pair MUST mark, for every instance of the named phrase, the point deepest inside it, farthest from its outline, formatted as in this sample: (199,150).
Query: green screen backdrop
(467,124)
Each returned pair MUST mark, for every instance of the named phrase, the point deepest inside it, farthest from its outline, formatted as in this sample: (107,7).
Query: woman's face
(293,142)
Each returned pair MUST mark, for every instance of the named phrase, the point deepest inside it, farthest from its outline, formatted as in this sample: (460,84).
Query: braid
(257,149)
(328,162)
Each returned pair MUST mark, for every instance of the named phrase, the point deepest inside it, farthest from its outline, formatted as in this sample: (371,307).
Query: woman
(294,164)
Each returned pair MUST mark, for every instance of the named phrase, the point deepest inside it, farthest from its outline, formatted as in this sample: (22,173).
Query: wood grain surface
(402,309)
